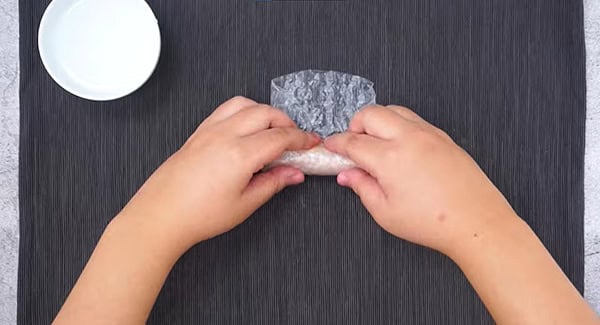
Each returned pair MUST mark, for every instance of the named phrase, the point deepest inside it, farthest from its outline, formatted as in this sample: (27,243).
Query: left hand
(211,184)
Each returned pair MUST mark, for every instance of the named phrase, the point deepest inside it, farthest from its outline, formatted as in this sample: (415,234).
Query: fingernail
(294,178)
(342,179)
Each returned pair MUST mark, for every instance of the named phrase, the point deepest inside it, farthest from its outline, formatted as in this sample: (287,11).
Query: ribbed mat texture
(506,79)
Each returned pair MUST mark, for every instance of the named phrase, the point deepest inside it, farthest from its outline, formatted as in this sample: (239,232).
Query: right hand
(415,181)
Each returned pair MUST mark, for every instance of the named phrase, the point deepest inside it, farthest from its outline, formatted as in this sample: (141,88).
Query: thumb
(263,186)
(364,185)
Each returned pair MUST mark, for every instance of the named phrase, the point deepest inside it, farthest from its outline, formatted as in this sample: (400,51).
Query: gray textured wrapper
(323,102)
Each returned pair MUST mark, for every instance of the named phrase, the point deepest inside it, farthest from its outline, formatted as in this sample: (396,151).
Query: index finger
(266,146)
(229,108)
(377,121)
(258,118)
(362,149)
(406,113)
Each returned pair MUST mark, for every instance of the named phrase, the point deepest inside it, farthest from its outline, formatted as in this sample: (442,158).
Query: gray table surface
(9,146)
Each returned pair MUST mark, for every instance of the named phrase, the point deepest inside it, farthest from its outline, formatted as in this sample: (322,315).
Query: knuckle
(405,111)
(240,101)
(275,113)
(266,108)
(360,116)
(410,113)
(265,111)
(253,110)
(354,123)
(368,112)
(403,108)
(442,134)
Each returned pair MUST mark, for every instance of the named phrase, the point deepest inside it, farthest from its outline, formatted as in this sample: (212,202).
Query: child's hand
(420,186)
(414,180)
(209,186)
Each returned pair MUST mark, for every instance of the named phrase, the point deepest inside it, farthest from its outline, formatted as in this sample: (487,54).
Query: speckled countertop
(9,159)
(9,144)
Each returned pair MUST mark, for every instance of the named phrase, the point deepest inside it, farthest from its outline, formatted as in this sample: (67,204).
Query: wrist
(149,233)
(479,237)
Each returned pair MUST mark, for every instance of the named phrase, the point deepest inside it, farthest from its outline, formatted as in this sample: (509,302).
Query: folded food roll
(322,102)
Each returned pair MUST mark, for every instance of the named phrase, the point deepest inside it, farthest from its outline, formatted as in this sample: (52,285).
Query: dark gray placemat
(505,78)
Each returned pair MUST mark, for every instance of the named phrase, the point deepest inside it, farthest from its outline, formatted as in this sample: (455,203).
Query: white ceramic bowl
(99,49)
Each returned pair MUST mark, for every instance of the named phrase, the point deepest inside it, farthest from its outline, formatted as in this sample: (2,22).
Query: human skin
(420,186)
(192,197)
(414,180)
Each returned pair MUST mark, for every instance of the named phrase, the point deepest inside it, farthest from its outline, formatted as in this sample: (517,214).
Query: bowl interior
(99,50)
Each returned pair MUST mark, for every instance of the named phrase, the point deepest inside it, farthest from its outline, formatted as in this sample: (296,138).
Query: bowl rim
(43,30)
